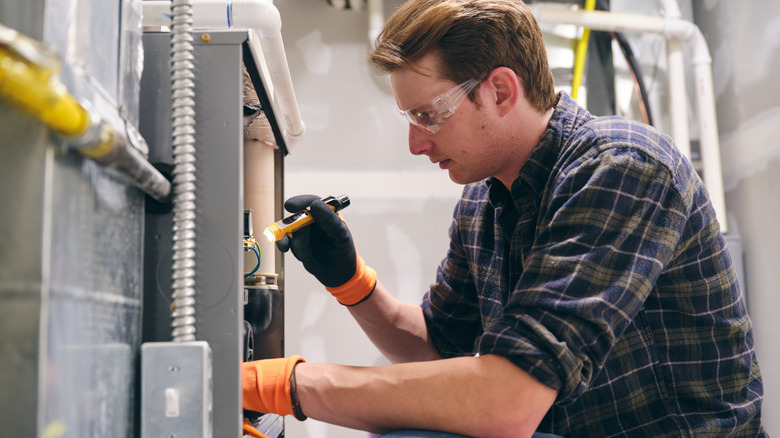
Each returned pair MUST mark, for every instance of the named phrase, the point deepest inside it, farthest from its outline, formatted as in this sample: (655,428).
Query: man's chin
(460,179)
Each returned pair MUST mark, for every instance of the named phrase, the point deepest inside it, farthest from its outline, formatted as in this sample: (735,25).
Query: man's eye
(424,115)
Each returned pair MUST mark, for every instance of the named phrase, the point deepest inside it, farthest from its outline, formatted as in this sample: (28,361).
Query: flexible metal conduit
(673,29)
(184,206)
(263,20)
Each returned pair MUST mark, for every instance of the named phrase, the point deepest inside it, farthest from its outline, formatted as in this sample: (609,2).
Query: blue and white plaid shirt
(604,275)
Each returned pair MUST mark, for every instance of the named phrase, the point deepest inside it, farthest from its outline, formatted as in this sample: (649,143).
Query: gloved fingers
(300,244)
(330,221)
(283,244)
(299,202)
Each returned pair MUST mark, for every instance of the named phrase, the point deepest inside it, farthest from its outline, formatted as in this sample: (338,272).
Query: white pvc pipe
(678,96)
(709,140)
(263,20)
(673,28)
(599,20)
(259,196)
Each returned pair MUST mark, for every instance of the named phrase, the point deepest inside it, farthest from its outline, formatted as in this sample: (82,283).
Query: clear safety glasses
(431,116)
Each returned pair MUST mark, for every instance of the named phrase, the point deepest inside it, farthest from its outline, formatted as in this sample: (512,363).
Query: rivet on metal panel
(206,38)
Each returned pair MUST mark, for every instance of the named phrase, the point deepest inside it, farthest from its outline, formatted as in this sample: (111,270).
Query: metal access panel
(219,223)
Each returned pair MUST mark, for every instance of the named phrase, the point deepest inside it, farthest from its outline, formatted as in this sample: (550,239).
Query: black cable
(601,74)
(628,54)
(249,342)
(634,65)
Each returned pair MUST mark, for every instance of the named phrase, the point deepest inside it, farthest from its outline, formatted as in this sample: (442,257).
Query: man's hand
(268,386)
(327,251)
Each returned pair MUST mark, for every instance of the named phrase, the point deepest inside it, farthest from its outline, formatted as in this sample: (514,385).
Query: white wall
(744,39)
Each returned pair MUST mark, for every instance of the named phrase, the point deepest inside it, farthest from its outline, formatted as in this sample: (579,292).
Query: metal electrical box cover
(176,395)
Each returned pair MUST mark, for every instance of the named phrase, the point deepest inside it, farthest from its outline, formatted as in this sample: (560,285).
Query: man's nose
(419,142)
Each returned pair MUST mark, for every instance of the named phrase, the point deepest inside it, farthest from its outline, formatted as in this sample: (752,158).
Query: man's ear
(507,89)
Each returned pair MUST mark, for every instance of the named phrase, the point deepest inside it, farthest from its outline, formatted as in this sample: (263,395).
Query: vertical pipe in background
(673,29)
(710,142)
(678,96)
(259,186)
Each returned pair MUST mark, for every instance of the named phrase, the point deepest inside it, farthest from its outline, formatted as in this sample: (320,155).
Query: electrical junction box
(176,395)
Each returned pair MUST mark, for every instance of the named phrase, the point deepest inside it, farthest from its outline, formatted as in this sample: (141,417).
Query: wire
(249,342)
(249,430)
(636,73)
(633,65)
(257,266)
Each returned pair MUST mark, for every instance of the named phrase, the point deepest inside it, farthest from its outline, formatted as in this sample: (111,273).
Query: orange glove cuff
(266,385)
(358,287)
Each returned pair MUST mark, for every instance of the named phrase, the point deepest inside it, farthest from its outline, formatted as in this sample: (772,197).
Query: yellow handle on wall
(34,89)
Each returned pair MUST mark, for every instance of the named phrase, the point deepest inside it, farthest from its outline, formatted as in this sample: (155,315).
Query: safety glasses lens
(432,116)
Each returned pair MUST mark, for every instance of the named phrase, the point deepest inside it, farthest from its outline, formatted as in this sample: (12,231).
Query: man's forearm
(396,328)
(476,396)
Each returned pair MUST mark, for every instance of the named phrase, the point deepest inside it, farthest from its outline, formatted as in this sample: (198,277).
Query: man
(587,290)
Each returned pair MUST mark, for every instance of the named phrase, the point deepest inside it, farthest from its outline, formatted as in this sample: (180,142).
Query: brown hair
(471,38)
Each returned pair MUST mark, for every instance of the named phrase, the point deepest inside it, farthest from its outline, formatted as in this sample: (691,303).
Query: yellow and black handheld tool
(296,221)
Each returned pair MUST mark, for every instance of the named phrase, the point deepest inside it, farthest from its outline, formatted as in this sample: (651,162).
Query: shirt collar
(497,193)
(566,118)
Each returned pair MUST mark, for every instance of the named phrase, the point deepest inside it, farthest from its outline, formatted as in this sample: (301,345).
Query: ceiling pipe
(264,22)
(673,29)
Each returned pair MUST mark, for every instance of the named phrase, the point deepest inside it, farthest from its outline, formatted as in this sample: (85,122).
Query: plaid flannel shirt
(604,275)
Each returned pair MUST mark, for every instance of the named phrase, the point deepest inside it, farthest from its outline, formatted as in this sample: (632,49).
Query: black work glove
(325,247)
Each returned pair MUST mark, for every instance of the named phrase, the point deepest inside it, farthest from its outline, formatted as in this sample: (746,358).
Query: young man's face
(462,143)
